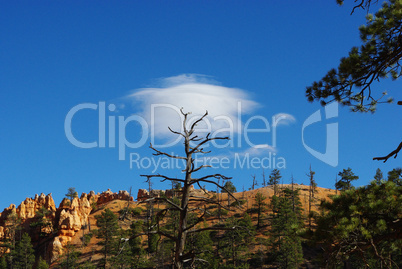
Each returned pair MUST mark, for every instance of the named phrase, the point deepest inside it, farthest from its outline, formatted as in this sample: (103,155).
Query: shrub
(224,212)
(238,202)
(136,211)
(86,238)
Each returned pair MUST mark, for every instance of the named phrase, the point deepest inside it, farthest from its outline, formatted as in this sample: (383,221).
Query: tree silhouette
(107,223)
(379,57)
(395,175)
(23,253)
(286,224)
(260,206)
(274,179)
(71,194)
(345,183)
(362,226)
(193,144)
(311,193)
(378,177)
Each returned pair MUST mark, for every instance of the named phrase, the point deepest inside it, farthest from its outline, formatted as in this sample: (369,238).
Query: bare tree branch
(162,199)
(204,179)
(217,176)
(203,199)
(158,152)
(200,167)
(153,232)
(178,133)
(164,177)
(199,185)
(197,221)
(207,139)
(216,229)
(394,152)
(197,121)
(364,4)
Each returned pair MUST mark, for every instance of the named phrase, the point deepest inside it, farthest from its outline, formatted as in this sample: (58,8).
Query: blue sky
(57,55)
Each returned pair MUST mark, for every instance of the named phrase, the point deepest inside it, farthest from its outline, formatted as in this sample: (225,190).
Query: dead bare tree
(264,182)
(311,193)
(254,182)
(189,203)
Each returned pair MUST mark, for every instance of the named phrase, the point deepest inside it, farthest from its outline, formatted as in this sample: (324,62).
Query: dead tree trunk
(192,145)
(311,192)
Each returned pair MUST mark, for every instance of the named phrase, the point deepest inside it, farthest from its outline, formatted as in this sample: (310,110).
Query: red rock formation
(142,195)
(108,196)
(68,218)
(71,216)
(28,208)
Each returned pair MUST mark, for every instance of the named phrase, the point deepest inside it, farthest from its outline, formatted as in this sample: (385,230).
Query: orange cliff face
(69,218)
(72,217)
(27,210)
(29,207)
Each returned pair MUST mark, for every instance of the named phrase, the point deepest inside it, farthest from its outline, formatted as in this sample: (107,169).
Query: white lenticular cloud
(258,150)
(196,94)
(283,119)
(185,79)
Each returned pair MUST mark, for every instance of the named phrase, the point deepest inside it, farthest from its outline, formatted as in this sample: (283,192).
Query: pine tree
(124,257)
(87,265)
(71,194)
(153,237)
(395,175)
(378,177)
(3,263)
(13,233)
(171,226)
(236,241)
(108,226)
(345,183)
(379,57)
(137,252)
(360,228)
(274,179)
(23,253)
(41,223)
(42,264)
(70,257)
(202,245)
(286,224)
(229,186)
(260,206)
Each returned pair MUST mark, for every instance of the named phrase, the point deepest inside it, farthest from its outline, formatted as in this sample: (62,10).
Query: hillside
(72,222)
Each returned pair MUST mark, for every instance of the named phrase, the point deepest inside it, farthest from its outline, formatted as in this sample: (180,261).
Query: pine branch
(394,152)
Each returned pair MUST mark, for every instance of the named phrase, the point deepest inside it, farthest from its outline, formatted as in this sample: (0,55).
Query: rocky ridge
(65,221)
